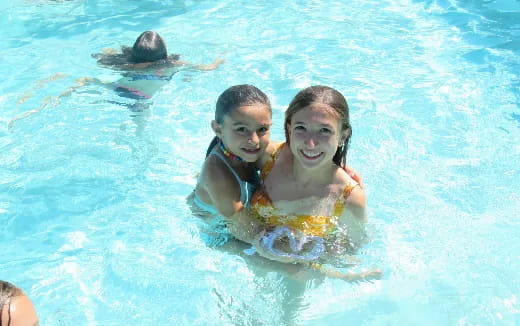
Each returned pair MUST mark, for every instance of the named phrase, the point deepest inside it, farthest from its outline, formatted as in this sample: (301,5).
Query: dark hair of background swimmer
(233,98)
(330,97)
(149,48)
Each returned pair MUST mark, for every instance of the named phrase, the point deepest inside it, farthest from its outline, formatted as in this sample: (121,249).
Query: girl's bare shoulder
(215,171)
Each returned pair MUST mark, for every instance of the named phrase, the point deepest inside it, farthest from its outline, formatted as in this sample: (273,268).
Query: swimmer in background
(229,175)
(146,67)
(16,309)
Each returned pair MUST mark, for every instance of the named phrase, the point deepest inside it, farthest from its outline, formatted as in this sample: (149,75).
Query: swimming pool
(94,224)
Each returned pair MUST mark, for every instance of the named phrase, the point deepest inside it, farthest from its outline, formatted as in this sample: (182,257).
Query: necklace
(228,153)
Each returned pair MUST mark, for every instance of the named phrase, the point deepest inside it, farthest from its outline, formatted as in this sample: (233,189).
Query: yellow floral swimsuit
(315,225)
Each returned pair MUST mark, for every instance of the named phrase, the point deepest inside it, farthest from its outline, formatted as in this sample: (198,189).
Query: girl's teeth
(311,154)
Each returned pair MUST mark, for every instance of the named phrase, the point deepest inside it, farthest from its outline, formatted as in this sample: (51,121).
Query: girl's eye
(299,128)
(263,130)
(241,129)
(325,131)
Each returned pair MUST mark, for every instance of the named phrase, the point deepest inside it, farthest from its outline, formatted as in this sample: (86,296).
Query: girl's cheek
(298,136)
(328,138)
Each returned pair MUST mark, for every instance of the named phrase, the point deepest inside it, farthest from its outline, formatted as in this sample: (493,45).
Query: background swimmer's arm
(201,67)
(53,101)
(109,51)
(80,82)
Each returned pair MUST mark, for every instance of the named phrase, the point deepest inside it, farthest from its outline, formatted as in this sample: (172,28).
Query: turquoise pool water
(93,220)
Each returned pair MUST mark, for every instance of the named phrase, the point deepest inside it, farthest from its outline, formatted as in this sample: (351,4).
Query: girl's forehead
(319,113)
(254,113)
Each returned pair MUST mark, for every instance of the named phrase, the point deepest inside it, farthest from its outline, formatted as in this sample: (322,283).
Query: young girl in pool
(229,174)
(146,67)
(305,191)
(16,309)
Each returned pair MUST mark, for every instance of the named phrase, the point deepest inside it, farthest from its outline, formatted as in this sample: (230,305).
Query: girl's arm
(373,274)
(221,187)
(53,101)
(223,190)
(268,154)
(354,217)
(201,67)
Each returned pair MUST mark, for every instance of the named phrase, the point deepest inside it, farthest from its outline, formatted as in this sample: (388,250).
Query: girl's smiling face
(314,135)
(245,131)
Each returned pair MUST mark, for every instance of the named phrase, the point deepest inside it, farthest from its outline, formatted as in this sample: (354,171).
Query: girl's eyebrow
(321,124)
(239,123)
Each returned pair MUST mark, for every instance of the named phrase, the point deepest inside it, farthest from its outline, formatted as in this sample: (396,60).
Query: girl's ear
(345,135)
(217,128)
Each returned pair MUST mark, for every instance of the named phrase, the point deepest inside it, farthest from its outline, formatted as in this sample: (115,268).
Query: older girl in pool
(306,194)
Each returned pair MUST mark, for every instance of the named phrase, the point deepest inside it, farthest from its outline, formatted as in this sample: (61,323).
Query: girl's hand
(353,174)
(109,51)
(217,63)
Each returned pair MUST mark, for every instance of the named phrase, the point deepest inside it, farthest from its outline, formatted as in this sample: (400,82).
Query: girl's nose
(310,142)
(253,138)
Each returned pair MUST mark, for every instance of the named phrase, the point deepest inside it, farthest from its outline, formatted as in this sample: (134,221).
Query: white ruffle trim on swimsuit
(302,247)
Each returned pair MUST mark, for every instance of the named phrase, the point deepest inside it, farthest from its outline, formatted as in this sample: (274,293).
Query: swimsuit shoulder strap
(340,203)
(223,159)
(270,163)
(246,188)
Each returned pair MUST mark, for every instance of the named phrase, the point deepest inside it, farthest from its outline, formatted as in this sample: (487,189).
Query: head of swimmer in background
(15,307)
(148,47)
(242,122)
(331,100)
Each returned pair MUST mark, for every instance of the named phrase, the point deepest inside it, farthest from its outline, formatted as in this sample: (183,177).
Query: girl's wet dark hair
(330,97)
(149,48)
(233,98)
(7,292)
